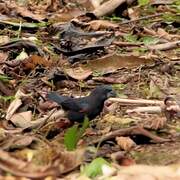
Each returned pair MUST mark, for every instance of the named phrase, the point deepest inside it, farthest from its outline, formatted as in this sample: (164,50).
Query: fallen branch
(148,109)
(142,18)
(136,130)
(136,101)
(165,46)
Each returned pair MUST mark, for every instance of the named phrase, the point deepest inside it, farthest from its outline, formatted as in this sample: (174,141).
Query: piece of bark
(165,46)
(107,7)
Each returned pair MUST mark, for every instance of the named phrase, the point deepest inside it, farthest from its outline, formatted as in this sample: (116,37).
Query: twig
(148,109)
(142,18)
(165,46)
(136,101)
(136,130)
(119,43)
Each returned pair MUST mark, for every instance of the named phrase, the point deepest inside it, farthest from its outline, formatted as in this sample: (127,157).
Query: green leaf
(130,38)
(170,18)
(83,128)
(95,167)
(70,138)
(73,135)
(143,2)
(7,98)
(4,78)
(148,40)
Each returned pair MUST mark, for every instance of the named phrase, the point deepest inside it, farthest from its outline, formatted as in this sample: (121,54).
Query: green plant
(73,135)
(95,167)
(143,2)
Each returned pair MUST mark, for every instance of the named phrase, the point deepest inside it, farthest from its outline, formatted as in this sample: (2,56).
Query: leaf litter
(71,47)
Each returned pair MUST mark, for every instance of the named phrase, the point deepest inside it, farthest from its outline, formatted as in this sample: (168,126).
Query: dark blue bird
(90,106)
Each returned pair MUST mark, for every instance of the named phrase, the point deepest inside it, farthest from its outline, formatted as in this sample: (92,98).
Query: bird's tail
(55,97)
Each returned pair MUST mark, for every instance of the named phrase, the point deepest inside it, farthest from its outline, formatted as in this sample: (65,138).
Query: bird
(88,106)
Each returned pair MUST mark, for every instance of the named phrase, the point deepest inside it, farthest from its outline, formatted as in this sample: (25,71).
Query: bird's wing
(69,103)
(57,98)
(75,105)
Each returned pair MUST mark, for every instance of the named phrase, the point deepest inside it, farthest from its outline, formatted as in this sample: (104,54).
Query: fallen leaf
(22,119)
(13,107)
(113,62)
(22,168)
(163,34)
(24,12)
(125,143)
(121,159)
(101,24)
(155,122)
(70,160)
(34,60)
(15,104)
(3,57)
(78,73)
(133,13)
(17,142)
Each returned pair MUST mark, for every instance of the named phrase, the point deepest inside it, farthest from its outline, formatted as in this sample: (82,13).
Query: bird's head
(104,91)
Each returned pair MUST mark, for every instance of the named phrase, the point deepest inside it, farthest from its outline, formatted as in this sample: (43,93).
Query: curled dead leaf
(125,143)
(101,24)
(79,73)
(22,119)
(34,60)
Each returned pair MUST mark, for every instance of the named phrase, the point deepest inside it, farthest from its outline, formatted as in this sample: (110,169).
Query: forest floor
(70,47)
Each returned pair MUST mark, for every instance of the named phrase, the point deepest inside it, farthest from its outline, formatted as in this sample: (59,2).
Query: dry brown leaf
(70,160)
(24,12)
(3,57)
(101,24)
(15,104)
(121,159)
(17,142)
(163,34)
(13,107)
(112,62)
(133,13)
(11,164)
(155,122)
(34,60)
(125,143)
(22,119)
(78,73)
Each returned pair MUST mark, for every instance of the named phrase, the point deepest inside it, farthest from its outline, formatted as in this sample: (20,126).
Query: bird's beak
(111,94)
